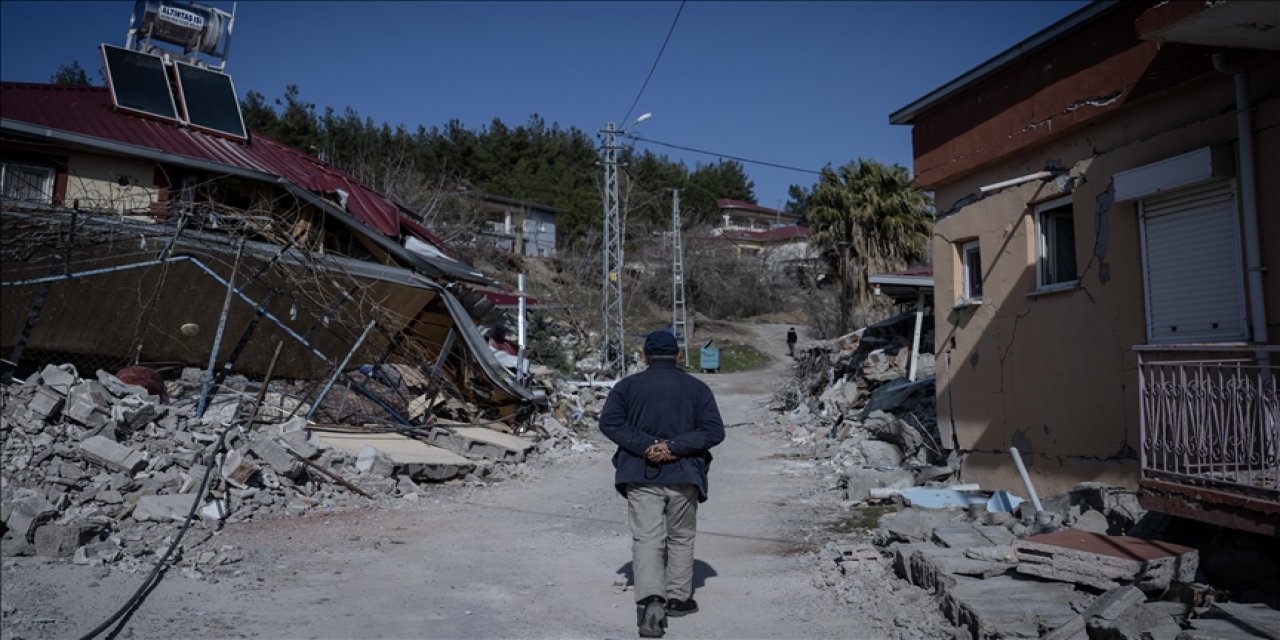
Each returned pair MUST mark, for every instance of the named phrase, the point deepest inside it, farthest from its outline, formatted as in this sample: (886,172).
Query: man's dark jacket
(662,403)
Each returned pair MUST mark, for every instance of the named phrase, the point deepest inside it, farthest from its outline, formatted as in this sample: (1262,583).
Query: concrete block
(166,508)
(118,387)
(1114,603)
(133,413)
(1091,521)
(277,457)
(27,510)
(46,402)
(859,482)
(1106,562)
(295,435)
(62,540)
(237,470)
(374,462)
(880,454)
(111,454)
(88,403)
(59,377)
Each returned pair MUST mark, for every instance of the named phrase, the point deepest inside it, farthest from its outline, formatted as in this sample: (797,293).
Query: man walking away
(791,341)
(664,422)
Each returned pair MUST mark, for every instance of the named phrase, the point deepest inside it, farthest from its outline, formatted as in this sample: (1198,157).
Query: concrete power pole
(679,313)
(613,356)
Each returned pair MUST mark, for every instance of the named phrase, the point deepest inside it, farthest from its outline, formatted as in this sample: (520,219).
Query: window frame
(48,187)
(1044,263)
(970,249)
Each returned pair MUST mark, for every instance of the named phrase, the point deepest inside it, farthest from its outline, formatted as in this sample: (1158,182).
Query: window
(1056,244)
(26,183)
(971,260)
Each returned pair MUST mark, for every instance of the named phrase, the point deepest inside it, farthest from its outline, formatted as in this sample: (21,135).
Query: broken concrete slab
(914,524)
(481,443)
(1106,562)
(166,508)
(1135,623)
(963,535)
(880,454)
(111,454)
(939,568)
(1008,607)
(1091,521)
(858,482)
(118,387)
(1231,620)
(1115,603)
(418,459)
(943,498)
(1074,629)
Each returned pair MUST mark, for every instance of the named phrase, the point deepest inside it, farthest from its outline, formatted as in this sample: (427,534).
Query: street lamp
(613,353)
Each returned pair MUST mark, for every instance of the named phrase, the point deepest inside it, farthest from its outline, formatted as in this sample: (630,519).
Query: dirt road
(531,557)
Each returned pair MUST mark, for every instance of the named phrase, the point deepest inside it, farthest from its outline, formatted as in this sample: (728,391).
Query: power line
(724,155)
(627,118)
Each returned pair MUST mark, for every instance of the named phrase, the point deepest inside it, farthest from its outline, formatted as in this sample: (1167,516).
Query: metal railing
(1210,416)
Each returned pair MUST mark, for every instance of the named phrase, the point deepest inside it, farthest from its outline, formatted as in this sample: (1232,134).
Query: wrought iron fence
(1210,415)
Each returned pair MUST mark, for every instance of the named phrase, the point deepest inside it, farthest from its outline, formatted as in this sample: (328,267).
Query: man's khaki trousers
(664,518)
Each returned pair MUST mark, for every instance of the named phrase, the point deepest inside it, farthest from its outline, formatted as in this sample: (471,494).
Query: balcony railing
(1210,416)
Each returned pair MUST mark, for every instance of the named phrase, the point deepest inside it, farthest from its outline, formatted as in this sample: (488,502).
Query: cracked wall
(1055,373)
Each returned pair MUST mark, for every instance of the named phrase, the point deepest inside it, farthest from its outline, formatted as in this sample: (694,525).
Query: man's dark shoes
(677,608)
(653,618)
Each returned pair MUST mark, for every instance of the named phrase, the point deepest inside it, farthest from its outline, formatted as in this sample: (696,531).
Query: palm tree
(868,217)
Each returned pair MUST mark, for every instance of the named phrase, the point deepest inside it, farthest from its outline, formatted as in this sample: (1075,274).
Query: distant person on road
(791,341)
(664,422)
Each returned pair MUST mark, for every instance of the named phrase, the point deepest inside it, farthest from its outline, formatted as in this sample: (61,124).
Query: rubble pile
(853,406)
(1090,565)
(99,471)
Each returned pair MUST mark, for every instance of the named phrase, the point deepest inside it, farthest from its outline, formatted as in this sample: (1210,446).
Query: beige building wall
(100,182)
(1055,374)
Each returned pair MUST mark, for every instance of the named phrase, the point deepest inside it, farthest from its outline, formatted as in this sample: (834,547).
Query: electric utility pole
(679,314)
(613,353)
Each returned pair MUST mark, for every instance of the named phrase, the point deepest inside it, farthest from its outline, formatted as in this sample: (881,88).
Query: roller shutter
(1193,275)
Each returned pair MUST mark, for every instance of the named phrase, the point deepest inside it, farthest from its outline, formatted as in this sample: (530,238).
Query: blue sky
(802,84)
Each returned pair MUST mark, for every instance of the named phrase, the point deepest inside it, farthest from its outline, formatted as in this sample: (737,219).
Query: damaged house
(143,224)
(1105,256)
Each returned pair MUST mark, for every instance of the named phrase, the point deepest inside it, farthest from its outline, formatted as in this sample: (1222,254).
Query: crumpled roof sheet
(89,111)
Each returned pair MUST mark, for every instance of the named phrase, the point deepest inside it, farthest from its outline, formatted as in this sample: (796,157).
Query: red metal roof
(775,234)
(88,111)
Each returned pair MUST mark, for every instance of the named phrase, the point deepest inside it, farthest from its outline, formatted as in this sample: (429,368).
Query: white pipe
(1248,196)
(915,339)
(521,327)
(1026,480)
(1040,175)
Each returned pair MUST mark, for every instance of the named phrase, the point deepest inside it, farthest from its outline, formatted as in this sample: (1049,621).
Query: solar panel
(139,82)
(210,100)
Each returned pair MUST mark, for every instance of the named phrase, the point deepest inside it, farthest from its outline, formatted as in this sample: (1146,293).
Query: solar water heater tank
(192,26)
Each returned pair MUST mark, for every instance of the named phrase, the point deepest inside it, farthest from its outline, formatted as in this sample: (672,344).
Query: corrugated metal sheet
(88,111)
